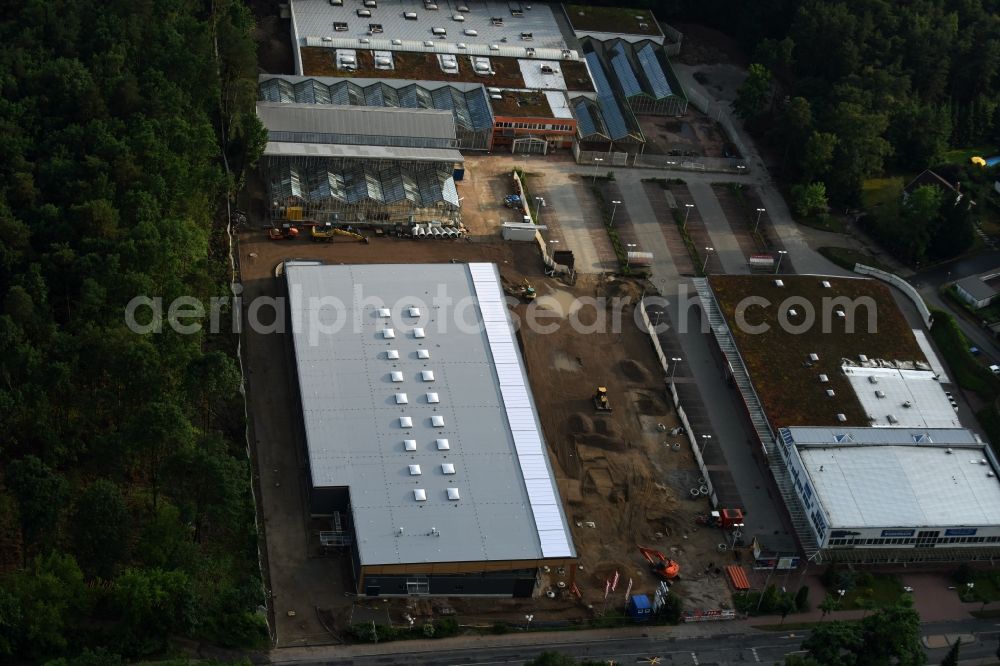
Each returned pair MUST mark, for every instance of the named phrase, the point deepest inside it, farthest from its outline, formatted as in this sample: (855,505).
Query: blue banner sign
(961,531)
(898,533)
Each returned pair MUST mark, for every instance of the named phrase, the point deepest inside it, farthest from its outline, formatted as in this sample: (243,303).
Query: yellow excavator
(327,232)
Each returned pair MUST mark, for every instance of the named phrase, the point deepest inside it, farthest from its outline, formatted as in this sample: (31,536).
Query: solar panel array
(367,182)
(653,72)
(623,70)
(614,120)
(471,110)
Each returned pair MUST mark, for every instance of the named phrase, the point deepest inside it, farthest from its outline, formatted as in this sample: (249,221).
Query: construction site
(625,473)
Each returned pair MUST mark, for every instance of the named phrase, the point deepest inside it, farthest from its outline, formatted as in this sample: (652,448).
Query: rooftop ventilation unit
(494,47)
(949,451)
(414,470)
(410,444)
(872,379)
(862,358)
(471,32)
(496,20)
(527,36)
(410,16)
(779,283)
(814,357)
(842,418)
(453,494)
(401,399)
(419,333)
(830,392)
(879,394)
(388,333)
(392,354)
(457,17)
(365,40)
(364,13)
(437,421)
(340,26)
(792,312)
(419,495)
(429,44)
(461,45)
(427,375)
(907,404)
(824,379)
(841,313)
(433,399)
(442,444)
(405,422)
(423,353)
(891,418)
(447,468)
(371,4)
(439,31)
(825,284)
(396,376)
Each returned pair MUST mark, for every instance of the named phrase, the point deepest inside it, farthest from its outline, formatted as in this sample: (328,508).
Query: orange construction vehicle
(284,232)
(662,566)
(727,519)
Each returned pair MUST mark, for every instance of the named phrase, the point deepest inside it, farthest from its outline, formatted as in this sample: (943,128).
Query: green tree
(802,599)
(100,529)
(829,604)
(888,636)
(951,659)
(152,604)
(10,622)
(861,148)
(52,598)
(754,96)
(817,156)
(41,495)
(809,199)
(212,379)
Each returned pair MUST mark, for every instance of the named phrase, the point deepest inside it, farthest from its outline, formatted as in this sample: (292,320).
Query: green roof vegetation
(785,379)
(621,20)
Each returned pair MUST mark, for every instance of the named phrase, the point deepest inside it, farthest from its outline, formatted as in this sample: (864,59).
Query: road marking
(756,657)
(694,657)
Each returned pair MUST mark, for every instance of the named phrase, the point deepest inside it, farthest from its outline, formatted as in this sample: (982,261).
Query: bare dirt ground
(694,134)
(615,470)
(273,38)
(735,214)
(663,202)
(702,44)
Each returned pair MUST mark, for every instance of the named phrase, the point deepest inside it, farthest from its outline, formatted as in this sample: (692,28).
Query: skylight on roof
(427,375)
(433,398)
(437,421)
(396,376)
(401,399)
(419,494)
(384,312)
(405,422)
(415,470)
(410,444)
(419,333)
(443,444)
(413,312)
(388,333)
(392,354)
(453,494)
(447,468)
(423,353)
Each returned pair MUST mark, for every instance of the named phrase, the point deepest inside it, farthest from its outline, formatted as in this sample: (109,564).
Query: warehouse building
(870,457)
(390,167)
(467,102)
(423,444)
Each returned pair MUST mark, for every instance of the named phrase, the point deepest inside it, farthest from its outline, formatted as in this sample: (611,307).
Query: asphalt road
(725,647)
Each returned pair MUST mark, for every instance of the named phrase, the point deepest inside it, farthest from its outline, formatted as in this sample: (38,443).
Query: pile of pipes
(434,230)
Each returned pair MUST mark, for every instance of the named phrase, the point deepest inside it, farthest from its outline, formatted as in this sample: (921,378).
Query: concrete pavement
(727,250)
(647,227)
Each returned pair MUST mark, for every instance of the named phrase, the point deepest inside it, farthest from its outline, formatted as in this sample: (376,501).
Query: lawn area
(876,191)
(830,223)
(877,591)
(963,155)
(613,19)
(846,258)
(985,587)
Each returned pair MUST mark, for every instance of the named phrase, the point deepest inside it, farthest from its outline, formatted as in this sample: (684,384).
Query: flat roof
(976,288)
(542,74)
(621,20)
(778,357)
(314,19)
(336,150)
(522,104)
(366,425)
(366,121)
(902,398)
(900,477)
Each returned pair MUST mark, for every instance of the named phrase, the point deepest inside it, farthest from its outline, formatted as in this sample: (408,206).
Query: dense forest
(125,508)
(845,90)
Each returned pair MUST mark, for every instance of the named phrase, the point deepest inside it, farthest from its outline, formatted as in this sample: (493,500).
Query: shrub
(802,599)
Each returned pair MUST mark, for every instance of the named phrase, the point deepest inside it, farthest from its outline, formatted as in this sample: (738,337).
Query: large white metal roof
(900,477)
(507,505)
(902,398)
(337,150)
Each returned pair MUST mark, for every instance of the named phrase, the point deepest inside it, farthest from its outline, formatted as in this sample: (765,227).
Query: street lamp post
(597,163)
(757,223)
(527,621)
(686,213)
(708,253)
(673,368)
(539,203)
(627,252)
(705,440)
(614,209)
(781,253)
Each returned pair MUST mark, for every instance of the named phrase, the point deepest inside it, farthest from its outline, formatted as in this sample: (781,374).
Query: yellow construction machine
(327,233)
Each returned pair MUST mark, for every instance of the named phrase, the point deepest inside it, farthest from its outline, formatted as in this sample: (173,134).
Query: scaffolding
(361,192)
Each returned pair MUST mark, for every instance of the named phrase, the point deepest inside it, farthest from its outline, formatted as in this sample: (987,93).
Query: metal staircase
(741,377)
